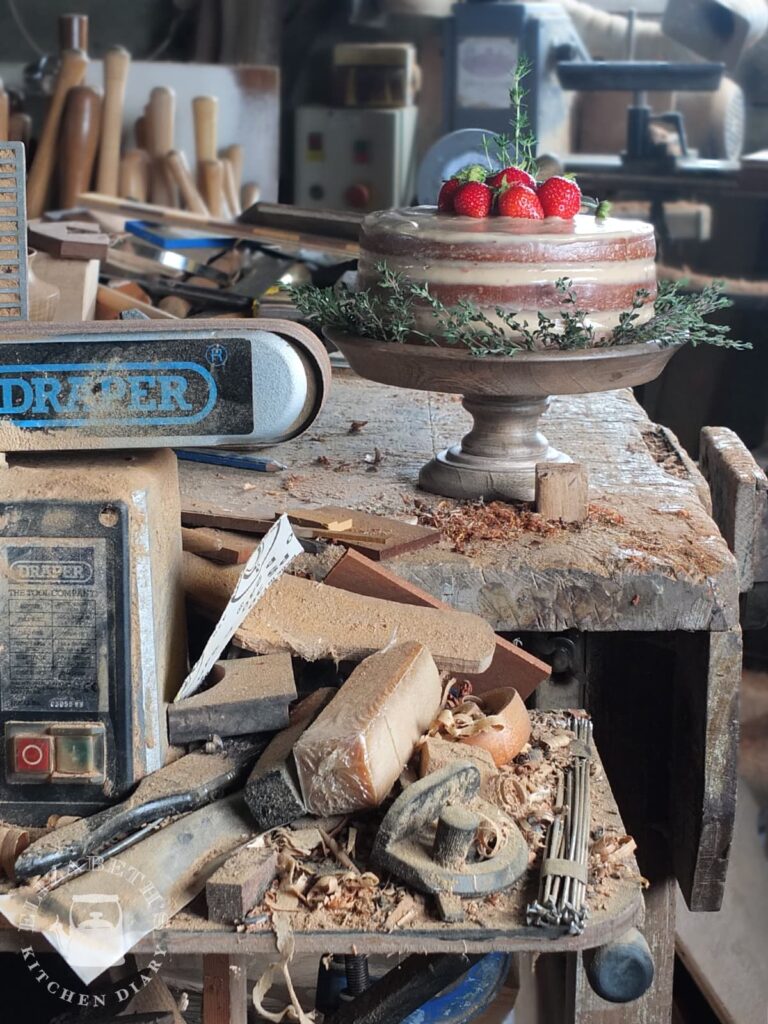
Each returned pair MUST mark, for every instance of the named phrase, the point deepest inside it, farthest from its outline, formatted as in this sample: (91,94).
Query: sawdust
(466,523)
(320,895)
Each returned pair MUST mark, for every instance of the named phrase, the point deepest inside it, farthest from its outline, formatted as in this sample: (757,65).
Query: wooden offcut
(353,753)
(322,518)
(239,884)
(253,696)
(511,665)
(562,491)
(218,545)
(314,621)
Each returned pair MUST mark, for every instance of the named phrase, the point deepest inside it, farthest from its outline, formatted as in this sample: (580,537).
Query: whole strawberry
(511,176)
(447,191)
(560,197)
(473,200)
(519,201)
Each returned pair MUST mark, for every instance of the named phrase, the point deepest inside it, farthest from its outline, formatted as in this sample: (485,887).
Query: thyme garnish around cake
(389,313)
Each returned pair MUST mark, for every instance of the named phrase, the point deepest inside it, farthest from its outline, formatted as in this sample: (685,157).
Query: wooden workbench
(639,608)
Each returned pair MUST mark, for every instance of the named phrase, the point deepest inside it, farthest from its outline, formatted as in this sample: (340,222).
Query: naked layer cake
(514,263)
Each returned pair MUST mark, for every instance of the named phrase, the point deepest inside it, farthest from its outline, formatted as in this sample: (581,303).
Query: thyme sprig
(399,310)
(518,147)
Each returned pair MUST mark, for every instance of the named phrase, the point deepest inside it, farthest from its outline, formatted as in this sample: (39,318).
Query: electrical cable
(25,33)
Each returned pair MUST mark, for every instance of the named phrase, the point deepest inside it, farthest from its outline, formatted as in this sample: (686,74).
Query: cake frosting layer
(514,264)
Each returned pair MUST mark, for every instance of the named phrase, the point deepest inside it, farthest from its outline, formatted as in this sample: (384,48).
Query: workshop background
(306,117)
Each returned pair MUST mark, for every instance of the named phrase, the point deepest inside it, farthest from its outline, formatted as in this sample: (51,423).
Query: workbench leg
(704,761)
(655,1007)
(225,989)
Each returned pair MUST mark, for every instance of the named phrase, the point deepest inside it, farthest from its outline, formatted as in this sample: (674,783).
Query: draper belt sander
(92,625)
(146,383)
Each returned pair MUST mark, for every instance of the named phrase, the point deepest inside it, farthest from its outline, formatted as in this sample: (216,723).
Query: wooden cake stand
(505,396)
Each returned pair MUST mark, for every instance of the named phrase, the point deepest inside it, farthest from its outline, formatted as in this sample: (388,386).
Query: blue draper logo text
(113,394)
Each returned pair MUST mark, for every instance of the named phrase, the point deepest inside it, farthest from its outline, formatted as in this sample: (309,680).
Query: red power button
(32,754)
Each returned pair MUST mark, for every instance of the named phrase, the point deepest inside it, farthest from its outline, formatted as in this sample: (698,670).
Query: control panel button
(32,755)
(358,197)
(55,752)
(361,151)
(75,755)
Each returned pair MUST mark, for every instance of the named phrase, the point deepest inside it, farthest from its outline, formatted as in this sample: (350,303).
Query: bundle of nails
(563,885)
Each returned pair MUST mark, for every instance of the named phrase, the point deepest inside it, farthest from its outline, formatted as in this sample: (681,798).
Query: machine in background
(360,154)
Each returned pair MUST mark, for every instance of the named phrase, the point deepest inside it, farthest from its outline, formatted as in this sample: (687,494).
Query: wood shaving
(356,426)
(464,523)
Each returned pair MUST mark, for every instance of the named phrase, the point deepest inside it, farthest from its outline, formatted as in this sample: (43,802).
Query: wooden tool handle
(73,32)
(133,180)
(236,157)
(161,112)
(205,112)
(212,185)
(71,73)
(5,113)
(250,194)
(110,301)
(20,128)
(231,192)
(179,170)
(116,64)
(78,141)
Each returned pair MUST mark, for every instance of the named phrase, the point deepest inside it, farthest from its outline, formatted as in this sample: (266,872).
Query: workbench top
(649,558)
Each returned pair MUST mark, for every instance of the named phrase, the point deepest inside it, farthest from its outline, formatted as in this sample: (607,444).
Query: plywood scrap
(388,537)
(315,621)
(251,695)
(352,754)
(511,665)
(272,792)
(240,883)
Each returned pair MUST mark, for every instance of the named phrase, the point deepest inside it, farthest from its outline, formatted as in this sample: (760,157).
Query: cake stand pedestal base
(497,458)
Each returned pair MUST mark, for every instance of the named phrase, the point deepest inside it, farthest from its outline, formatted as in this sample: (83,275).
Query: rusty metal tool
(441,860)
(185,785)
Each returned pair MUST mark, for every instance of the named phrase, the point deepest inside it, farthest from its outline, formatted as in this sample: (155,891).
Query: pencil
(252,462)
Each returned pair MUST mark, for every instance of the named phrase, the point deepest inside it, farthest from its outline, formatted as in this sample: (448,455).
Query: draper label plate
(178,387)
(54,622)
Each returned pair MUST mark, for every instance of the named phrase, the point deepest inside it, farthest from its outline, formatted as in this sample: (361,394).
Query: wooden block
(218,545)
(239,884)
(272,791)
(320,518)
(562,491)
(511,665)
(250,695)
(314,621)
(436,752)
(353,753)
(78,282)
(68,239)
